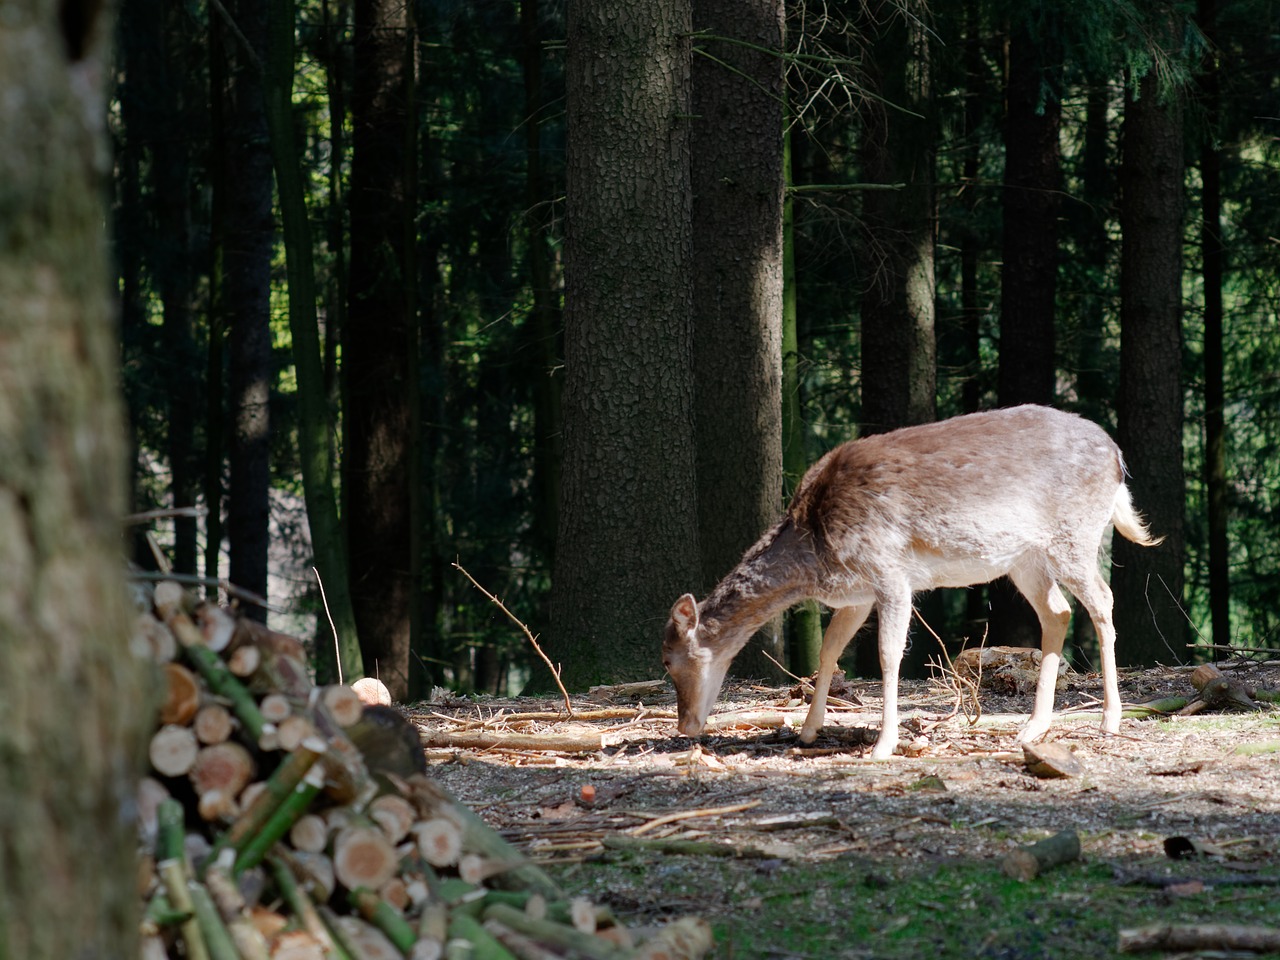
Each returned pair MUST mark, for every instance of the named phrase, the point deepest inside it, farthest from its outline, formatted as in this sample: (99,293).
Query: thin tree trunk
(628,541)
(544,320)
(1213,268)
(378,345)
(737,183)
(804,625)
(246,296)
(313,412)
(72,694)
(215,352)
(1147,582)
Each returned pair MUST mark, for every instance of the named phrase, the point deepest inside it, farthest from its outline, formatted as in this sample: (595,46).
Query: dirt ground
(962,789)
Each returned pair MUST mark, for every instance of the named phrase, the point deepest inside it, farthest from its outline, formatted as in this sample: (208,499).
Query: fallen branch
(1206,936)
(555,672)
(590,741)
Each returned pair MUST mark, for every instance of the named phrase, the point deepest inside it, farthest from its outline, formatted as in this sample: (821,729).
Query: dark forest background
(571,297)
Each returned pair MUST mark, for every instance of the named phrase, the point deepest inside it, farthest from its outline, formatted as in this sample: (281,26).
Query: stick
(1027,863)
(555,673)
(1208,936)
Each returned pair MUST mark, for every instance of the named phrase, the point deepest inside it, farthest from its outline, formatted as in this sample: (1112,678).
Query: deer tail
(1129,522)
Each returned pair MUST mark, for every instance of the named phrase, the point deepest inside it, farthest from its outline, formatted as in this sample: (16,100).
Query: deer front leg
(844,624)
(895,620)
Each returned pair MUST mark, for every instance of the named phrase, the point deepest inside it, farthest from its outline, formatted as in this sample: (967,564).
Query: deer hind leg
(845,622)
(1095,596)
(1054,613)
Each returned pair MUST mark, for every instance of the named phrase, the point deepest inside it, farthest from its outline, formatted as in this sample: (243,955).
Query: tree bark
(379,342)
(66,837)
(314,427)
(245,296)
(628,541)
(736,174)
(898,344)
(1148,583)
(899,353)
(1032,188)
(1028,281)
(1213,268)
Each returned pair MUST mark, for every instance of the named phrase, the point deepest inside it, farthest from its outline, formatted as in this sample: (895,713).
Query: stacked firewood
(289,821)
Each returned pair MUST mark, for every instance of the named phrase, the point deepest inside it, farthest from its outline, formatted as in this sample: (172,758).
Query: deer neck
(774,575)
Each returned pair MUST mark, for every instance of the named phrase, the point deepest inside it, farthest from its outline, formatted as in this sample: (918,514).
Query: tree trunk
(545,320)
(67,780)
(1032,187)
(1148,582)
(899,351)
(1213,268)
(1028,281)
(628,541)
(379,341)
(313,412)
(249,243)
(736,173)
(804,624)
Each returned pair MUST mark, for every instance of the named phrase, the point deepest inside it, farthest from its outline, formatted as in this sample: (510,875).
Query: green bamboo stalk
(216,935)
(224,683)
(385,917)
(485,946)
(281,785)
(277,825)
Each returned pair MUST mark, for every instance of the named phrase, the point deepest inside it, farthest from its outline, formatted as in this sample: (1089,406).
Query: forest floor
(819,852)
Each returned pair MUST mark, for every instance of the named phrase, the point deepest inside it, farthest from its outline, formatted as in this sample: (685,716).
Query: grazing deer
(1026,491)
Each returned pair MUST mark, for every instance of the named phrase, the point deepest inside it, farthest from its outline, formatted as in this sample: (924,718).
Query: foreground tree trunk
(379,345)
(73,704)
(628,540)
(1148,582)
(737,291)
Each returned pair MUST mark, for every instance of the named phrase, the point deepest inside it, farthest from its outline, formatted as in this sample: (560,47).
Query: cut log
(244,661)
(394,814)
(688,938)
(363,857)
(275,707)
(439,841)
(1027,863)
(173,750)
(310,834)
(292,731)
(216,625)
(227,767)
(181,695)
(153,638)
(370,690)
(213,724)
(343,703)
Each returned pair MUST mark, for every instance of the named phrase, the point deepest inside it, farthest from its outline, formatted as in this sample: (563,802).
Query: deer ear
(685,614)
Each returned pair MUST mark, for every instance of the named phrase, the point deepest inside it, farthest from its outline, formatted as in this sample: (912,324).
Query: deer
(1026,491)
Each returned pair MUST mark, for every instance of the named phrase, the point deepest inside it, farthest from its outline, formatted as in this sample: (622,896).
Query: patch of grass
(862,909)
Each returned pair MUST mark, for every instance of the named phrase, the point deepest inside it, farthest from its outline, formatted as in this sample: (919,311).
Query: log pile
(286,821)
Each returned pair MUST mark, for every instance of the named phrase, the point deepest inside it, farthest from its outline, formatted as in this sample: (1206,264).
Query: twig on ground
(555,672)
